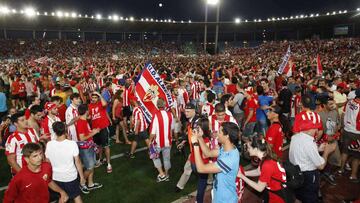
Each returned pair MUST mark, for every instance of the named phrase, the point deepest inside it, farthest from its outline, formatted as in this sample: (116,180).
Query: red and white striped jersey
(177,108)
(17,141)
(182,98)
(295,104)
(195,90)
(307,120)
(215,123)
(70,114)
(352,117)
(161,126)
(100,81)
(125,97)
(92,87)
(46,126)
(207,109)
(52,92)
(139,119)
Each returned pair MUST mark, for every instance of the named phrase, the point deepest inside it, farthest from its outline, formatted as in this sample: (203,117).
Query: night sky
(191,9)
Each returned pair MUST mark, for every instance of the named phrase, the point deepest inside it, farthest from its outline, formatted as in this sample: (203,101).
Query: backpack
(294,176)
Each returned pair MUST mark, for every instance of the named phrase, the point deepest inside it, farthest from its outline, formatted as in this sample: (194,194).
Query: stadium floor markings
(112,157)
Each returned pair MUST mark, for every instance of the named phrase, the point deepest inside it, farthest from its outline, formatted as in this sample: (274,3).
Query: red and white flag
(319,68)
(289,68)
(149,87)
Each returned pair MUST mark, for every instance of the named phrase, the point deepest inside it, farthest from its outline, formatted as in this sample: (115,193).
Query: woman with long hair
(201,129)
(272,176)
(118,118)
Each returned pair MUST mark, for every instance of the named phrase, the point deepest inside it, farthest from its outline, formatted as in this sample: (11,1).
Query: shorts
(126,111)
(218,89)
(177,127)
(14,96)
(348,138)
(72,188)
(88,158)
(142,136)
(249,130)
(103,137)
(22,98)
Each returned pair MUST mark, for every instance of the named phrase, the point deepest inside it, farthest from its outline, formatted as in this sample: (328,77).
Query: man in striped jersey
(17,141)
(195,91)
(295,104)
(126,106)
(160,135)
(176,111)
(208,108)
(50,118)
(138,122)
(219,117)
(72,115)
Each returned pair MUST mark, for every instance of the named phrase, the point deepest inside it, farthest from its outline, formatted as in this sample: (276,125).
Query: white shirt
(70,114)
(304,152)
(61,156)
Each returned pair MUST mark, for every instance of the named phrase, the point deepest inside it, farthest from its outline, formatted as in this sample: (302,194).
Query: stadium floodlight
(340,12)
(311,15)
(212,2)
(282,18)
(169,20)
(115,17)
(59,14)
(358,9)
(14,11)
(182,21)
(291,17)
(345,11)
(132,19)
(268,19)
(142,19)
(52,14)
(109,17)
(73,15)
(66,14)
(301,16)
(273,19)
(161,21)
(286,18)
(317,15)
(260,20)
(190,21)
(278,18)
(327,13)
(4,10)
(126,19)
(30,12)
(22,11)
(79,15)
(296,17)
(92,17)
(146,19)
(334,12)
(86,15)
(152,19)
(98,16)
(246,21)
(237,20)
(174,21)
(45,13)
(38,13)
(255,20)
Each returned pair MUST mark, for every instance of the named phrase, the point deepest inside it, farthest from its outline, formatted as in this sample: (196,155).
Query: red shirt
(22,91)
(231,89)
(192,155)
(271,170)
(251,104)
(29,187)
(83,127)
(307,120)
(98,115)
(15,88)
(275,136)
(61,112)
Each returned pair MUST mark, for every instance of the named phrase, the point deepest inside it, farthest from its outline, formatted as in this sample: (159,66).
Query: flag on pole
(149,87)
(285,61)
(319,68)
(289,68)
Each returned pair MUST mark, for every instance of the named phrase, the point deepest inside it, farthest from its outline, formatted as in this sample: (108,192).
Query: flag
(289,68)
(285,61)
(42,60)
(319,68)
(149,87)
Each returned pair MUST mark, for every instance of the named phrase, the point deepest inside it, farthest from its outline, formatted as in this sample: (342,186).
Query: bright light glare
(98,16)
(4,10)
(30,12)
(237,20)
(212,2)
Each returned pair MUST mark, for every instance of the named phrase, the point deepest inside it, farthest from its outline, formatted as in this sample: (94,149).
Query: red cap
(49,106)
(305,121)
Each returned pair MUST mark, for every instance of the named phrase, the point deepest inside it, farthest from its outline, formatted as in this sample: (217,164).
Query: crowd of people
(61,102)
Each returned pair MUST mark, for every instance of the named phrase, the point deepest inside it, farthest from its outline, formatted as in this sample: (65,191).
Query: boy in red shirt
(274,135)
(251,104)
(100,119)
(32,182)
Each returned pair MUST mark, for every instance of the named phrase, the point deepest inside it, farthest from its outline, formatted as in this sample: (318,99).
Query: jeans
(308,193)
(249,130)
(202,183)
(262,127)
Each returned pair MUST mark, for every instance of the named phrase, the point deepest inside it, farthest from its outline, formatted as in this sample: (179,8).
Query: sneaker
(109,168)
(95,186)
(177,189)
(98,164)
(161,178)
(167,178)
(330,178)
(340,172)
(354,180)
(131,156)
(347,167)
(84,189)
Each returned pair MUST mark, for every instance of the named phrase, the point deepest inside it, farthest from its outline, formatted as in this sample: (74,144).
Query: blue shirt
(263,101)
(107,96)
(224,184)
(3,104)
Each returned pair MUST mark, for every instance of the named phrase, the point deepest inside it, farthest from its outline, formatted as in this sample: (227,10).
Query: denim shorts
(88,158)
(218,89)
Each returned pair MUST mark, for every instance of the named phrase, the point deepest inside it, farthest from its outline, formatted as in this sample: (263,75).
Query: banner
(149,87)
(319,68)
(285,61)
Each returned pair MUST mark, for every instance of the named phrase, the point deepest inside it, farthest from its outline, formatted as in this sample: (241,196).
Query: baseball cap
(342,85)
(49,106)
(190,106)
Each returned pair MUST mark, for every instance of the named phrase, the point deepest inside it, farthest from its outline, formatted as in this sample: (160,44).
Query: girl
(272,174)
